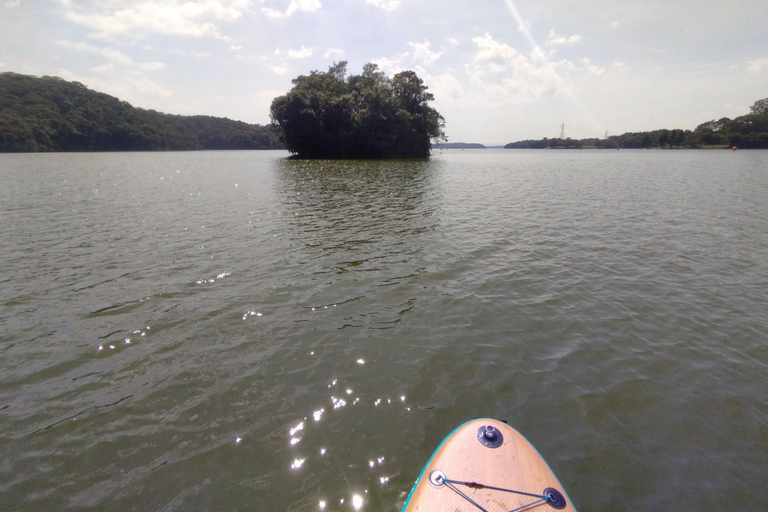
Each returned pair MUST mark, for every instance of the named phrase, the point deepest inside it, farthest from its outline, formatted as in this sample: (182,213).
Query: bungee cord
(551,496)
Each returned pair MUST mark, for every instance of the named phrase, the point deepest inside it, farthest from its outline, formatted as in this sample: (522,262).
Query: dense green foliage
(51,114)
(749,131)
(760,107)
(458,145)
(546,143)
(329,115)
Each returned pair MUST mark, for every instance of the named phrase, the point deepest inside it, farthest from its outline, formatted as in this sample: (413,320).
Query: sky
(500,70)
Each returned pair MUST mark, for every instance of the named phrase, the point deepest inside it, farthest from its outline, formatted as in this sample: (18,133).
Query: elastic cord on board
(550,496)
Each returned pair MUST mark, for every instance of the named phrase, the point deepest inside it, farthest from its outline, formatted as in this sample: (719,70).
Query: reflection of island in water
(363,221)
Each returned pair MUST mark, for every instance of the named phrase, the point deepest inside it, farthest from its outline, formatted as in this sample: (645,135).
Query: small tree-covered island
(332,115)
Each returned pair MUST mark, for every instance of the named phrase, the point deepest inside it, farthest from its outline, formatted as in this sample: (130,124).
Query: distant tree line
(458,145)
(52,114)
(748,131)
(546,143)
(330,115)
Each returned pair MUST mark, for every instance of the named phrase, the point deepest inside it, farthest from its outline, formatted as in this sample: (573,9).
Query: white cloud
(12,3)
(279,70)
(135,90)
(489,49)
(106,52)
(333,52)
(151,66)
(592,69)
(446,87)
(501,74)
(757,66)
(423,54)
(539,55)
(194,54)
(620,66)
(113,55)
(388,66)
(272,13)
(190,18)
(294,7)
(387,5)
(496,68)
(303,5)
(109,67)
(264,99)
(235,48)
(300,54)
(146,87)
(556,39)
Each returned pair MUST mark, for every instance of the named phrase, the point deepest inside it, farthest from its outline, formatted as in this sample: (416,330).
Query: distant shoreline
(461,145)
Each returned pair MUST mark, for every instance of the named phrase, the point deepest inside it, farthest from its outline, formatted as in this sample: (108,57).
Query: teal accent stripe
(421,475)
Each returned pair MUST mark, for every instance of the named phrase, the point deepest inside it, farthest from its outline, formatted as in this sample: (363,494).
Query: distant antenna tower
(606,134)
(562,131)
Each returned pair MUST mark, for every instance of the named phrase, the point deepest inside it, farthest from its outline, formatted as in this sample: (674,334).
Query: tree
(410,92)
(676,137)
(760,107)
(692,139)
(712,139)
(663,138)
(327,115)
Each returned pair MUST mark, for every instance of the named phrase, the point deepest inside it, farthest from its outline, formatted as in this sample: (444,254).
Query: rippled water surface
(239,331)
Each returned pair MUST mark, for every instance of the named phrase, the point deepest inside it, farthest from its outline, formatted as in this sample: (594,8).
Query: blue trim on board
(430,460)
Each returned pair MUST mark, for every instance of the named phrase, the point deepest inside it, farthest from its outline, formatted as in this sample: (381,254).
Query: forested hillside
(51,114)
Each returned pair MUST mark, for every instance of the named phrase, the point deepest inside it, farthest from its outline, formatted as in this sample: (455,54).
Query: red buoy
(734,148)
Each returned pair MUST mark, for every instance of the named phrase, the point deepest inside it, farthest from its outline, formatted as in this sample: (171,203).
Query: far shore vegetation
(325,115)
(52,114)
(749,131)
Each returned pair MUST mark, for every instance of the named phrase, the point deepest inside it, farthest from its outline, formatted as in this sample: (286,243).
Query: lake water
(238,331)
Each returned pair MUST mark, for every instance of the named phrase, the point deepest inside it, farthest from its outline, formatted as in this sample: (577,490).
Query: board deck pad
(499,457)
